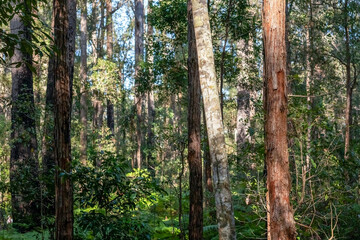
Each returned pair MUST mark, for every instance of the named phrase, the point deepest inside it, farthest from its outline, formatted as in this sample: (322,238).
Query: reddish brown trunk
(194,149)
(282,225)
(63,32)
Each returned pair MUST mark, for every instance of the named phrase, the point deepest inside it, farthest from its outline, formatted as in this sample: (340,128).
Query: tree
(83,75)
(48,161)
(194,129)
(221,181)
(282,225)
(64,35)
(139,55)
(150,94)
(109,48)
(350,84)
(23,159)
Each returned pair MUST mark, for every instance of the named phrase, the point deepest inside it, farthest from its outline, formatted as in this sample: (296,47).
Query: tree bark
(207,159)
(48,162)
(139,55)
(64,33)
(150,94)
(194,129)
(83,88)
(221,179)
(282,224)
(223,55)
(23,158)
(109,48)
(349,85)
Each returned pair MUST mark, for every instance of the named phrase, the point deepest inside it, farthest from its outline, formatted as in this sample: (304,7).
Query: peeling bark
(281,222)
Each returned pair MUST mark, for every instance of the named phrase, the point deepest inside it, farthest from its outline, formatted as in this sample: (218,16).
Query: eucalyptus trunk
(64,38)
(280,218)
(83,88)
(194,129)
(24,179)
(215,129)
(150,94)
(139,55)
(109,52)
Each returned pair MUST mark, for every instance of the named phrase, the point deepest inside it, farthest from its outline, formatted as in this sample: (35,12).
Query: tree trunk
(48,162)
(24,179)
(282,224)
(109,48)
(207,158)
(150,94)
(223,55)
(221,179)
(139,55)
(65,19)
(194,128)
(349,85)
(83,89)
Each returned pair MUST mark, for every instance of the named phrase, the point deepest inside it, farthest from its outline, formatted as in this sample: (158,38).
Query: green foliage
(38,34)
(108,197)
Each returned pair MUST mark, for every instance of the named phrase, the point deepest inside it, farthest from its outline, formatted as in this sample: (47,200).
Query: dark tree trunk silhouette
(25,198)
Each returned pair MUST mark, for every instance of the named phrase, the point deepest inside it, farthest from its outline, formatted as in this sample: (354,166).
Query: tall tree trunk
(94,38)
(109,50)
(48,162)
(64,33)
(194,129)
(150,94)
(23,159)
(349,85)
(243,97)
(282,224)
(308,82)
(139,56)
(223,55)
(221,179)
(83,88)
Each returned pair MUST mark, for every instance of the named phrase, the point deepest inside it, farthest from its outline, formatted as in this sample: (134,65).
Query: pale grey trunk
(221,179)
(139,55)
(243,97)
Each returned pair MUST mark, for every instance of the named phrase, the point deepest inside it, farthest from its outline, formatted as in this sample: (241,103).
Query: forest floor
(13,235)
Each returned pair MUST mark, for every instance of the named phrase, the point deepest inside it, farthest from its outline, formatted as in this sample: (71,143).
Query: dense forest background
(131,109)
